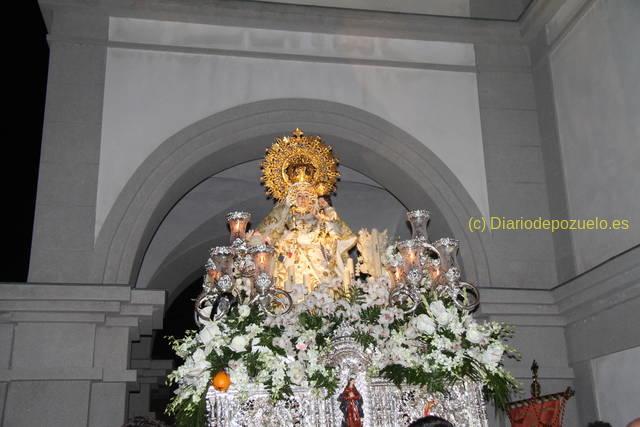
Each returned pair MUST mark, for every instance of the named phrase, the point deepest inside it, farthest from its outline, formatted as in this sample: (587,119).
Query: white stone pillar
(64,351)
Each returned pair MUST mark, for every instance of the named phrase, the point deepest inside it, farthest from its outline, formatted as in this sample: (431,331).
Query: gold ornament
(297,159)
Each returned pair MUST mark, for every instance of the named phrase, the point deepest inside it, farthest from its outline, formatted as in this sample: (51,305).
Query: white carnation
(296,373)
(425,324)
(195,365)
(238,375)
(440,312)
(492,355)
(209,333)
(410,332)
(239,343)
(244,310)
(475,335)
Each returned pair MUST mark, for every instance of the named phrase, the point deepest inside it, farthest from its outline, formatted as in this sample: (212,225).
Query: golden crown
(299,158)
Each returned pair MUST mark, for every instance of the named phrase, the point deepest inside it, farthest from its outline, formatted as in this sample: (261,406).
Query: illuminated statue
(310,239)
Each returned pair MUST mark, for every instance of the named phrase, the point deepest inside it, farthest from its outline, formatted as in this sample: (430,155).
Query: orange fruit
(221,381)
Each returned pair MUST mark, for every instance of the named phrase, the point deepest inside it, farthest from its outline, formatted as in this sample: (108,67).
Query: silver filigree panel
(384,406)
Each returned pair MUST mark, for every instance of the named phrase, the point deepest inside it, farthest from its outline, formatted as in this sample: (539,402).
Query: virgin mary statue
(310,239)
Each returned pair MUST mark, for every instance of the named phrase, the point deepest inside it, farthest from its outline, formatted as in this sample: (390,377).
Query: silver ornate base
(384,406)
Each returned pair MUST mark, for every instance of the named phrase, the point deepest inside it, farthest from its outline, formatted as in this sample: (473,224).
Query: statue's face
(302,198)
(305,202)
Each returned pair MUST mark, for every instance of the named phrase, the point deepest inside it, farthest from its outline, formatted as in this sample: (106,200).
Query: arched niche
(362,141)
(179,248)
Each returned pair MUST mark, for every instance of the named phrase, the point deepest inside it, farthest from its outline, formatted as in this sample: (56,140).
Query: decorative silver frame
(385,405)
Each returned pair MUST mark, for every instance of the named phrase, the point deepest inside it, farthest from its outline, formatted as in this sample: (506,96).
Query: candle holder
(406,297)
(419,219)
(271,300)
(238,221)
(447,277)
(466,296)
(263,259)
(448,250)
(216,299)
(204,301)
(432,267)
(223,258)
(396,275)
(274,302)
(212,274)
(429,256)
(410,251)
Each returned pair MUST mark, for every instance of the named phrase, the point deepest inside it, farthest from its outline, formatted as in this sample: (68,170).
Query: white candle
(306,282)
(346,279)
(350,268)
(377,272)
(291,278)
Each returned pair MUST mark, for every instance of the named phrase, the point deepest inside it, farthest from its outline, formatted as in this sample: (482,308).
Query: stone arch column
(362,141)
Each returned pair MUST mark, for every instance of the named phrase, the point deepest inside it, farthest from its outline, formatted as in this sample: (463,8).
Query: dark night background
(27,89)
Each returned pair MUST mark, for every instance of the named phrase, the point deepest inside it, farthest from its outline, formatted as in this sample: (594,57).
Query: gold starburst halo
(299,158)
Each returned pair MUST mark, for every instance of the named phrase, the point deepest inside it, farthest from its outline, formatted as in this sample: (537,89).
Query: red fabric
(353,413)
(538,414)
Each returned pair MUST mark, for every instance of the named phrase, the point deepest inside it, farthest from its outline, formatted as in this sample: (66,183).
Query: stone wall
(594,73)
(594,315)
(63,243)
(64,352)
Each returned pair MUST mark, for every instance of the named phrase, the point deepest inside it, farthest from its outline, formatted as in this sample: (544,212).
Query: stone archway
(362,141)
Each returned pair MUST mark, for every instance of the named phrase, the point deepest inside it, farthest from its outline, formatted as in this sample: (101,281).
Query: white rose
(209,333)
(410,332)
(474,335)
(196,365)
(244,310)
(239,343)
(296,373)
(492,355)
(440,312)
(425,324)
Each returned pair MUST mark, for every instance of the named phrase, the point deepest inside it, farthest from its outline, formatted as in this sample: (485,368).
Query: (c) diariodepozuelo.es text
(502,223)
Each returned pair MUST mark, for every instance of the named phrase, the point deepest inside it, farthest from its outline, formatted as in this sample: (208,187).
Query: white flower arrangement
(435,346)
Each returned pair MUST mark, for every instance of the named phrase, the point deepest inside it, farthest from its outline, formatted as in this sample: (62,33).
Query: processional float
(299,255)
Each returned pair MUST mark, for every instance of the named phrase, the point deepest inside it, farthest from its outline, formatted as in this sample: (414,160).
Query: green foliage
(253,363)
(220,362)
(498,389)
(328,382)
(191,416)
(353,295)
(266,339)
(278,394)
(310,321)
(371,315)
(434,381)
(365,340)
